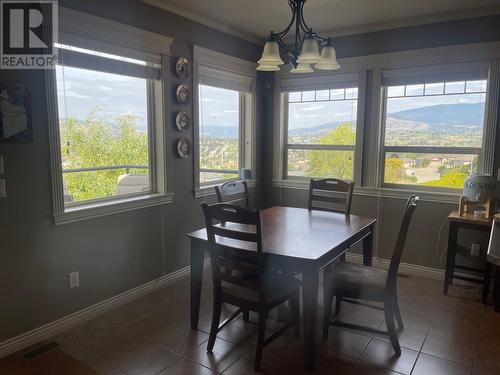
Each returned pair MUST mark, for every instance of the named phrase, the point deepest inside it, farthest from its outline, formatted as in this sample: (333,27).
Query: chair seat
(351,280)
(277,288)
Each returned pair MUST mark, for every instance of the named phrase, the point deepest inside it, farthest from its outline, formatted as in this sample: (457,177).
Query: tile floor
(452,334)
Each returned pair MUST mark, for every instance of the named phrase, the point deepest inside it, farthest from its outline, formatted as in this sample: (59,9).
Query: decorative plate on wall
(183,147)
(181,67)
(182,121)
(182,94)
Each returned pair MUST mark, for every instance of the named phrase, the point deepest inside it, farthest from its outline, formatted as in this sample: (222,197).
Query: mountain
(220,132)
(444,114)
(315,129)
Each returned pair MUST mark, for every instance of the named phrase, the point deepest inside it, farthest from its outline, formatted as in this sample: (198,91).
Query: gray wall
(114,253)
(428,234)
(119,252)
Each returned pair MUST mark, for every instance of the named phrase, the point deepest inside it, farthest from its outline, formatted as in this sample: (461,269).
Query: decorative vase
(479,187)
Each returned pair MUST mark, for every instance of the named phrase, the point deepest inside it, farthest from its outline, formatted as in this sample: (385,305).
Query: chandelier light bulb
(328,59)
(271,54)
(310,52)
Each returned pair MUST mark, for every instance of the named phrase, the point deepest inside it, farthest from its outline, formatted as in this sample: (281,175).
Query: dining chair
(340,202)
(349,282)
(235,239)
(234,192)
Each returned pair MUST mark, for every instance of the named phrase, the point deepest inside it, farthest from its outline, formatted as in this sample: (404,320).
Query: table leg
(450,256)
(310,297)
(368,247)
(496,289)
(197,259)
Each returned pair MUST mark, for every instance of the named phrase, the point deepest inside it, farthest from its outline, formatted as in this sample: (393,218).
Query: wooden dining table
(299,240)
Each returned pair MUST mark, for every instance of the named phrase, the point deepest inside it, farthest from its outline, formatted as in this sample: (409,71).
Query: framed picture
(181,67)
(182,121)
(15,114)
(182,94)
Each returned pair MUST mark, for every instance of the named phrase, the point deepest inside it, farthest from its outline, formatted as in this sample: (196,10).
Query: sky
(80,91)
(219,107)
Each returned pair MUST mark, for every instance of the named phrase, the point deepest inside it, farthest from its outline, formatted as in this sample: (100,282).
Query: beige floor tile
(381,354)
(427,365)
(186,367)
(147,360)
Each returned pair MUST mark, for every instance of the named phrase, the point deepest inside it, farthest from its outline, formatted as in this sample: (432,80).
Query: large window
(433,132)
(219,133)
(105,125)
(321,133)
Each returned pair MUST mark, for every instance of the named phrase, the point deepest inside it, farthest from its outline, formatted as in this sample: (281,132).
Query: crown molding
(204,20)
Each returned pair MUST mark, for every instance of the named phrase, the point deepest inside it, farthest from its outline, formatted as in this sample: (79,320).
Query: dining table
(301,241)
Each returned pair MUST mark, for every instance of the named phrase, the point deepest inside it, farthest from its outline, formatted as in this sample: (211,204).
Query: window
(433,132)
(105,130)
(321,133)
(219,133)
(106,118)
(224,117)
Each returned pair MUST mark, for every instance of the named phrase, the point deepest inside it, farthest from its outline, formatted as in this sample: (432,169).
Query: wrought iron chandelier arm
(285,31)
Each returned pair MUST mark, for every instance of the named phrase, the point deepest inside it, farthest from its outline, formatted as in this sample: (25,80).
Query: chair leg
(327,306)
(295,307)
(260,341)
(246,315)
(397,313)
(215,324)
(391,327)
(486,283)
(338,303)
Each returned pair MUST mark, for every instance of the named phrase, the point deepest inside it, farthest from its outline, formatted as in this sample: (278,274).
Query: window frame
(313,147)
(234,73)
(241,143)
(318,82)
(479,151)
(98,34)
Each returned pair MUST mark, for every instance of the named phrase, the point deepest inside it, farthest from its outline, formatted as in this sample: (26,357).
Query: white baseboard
(404,268)
(48,330)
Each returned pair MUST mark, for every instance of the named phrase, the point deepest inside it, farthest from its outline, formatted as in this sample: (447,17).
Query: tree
(450,178)
(95,142)
(333,163)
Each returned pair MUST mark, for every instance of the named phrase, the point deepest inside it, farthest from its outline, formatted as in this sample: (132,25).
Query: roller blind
(435,73)
(291,83)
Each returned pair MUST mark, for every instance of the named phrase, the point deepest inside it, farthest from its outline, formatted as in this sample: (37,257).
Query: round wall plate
(181,67)
(183,147)
(182,121)
(182,94)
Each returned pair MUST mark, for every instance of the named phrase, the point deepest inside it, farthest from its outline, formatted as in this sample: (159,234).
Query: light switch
(3,193)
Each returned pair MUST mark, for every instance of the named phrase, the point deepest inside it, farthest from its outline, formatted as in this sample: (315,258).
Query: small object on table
(479,191)
(493,256)
(465,221)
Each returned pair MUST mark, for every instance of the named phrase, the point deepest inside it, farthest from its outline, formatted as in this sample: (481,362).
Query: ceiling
(253,19)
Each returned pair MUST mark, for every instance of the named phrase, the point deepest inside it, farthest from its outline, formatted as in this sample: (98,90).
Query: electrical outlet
(475,250)
(3,192)
(74,279)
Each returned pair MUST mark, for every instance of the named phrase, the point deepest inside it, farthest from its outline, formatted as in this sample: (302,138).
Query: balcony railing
(127,168)
(228,171)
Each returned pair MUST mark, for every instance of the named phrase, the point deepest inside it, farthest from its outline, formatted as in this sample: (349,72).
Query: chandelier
(304,53)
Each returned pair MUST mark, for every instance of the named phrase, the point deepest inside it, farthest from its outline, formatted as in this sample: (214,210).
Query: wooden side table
(468,221)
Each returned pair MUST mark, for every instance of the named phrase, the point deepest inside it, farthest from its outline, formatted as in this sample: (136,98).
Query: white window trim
(238,70)
(319,82)
(100,34)
(374,64)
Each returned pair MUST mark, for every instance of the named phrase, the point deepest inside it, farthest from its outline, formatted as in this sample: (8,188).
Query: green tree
(95,142)
(451,179)
(333,163)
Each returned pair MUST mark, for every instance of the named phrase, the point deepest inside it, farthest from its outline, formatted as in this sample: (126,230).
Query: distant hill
(220,132)
(444,114)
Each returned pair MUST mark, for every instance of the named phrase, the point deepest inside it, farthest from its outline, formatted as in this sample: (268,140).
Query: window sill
(95,210)
(209,190)
(391,193)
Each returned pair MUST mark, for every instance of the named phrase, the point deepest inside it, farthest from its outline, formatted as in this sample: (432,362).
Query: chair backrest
(234,236)
(340,203)
(234,192)
(410,206)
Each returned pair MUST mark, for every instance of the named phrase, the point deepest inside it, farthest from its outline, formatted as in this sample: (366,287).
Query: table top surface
(469,218)
(299,232)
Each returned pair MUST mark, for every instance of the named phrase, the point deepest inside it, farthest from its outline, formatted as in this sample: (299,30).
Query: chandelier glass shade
(304,52)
